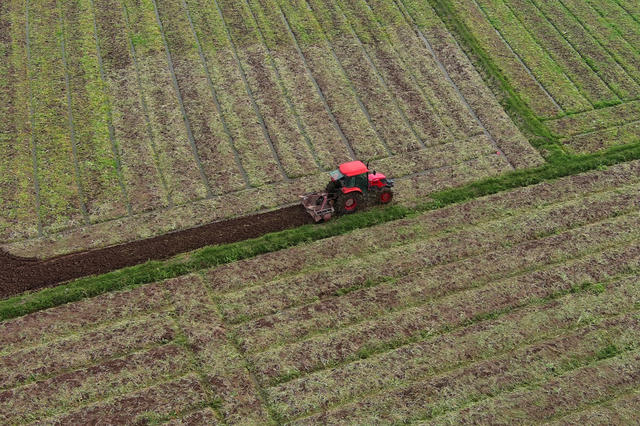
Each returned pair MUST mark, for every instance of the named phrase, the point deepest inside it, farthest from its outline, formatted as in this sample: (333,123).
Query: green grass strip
(212,256)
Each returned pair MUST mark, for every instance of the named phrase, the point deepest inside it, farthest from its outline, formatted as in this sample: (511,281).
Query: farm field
(132,118)
(576,64)
(477,312)
(156,266)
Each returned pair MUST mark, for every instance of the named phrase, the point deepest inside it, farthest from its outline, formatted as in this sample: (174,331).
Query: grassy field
(477,312)
(133,118)
(576,64)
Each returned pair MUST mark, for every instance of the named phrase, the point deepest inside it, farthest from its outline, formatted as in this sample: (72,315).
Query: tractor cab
(352,176)
(355,176)
(351,186)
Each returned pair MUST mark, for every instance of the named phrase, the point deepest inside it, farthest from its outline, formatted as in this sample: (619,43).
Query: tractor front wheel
(348,203)
(386,195)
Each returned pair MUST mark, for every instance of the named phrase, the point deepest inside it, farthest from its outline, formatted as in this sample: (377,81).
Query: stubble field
(503,285)
(476,313)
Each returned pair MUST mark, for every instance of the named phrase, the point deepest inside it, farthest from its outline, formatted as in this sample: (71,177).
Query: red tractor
(352,186)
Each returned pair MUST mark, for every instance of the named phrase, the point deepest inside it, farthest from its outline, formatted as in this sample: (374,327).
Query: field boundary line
(518,57)
(214,94)
(112,134)
(635,78)
(294,111)
(71,124)
(363,108)
(230,338)
(476,285)
(145,107)
(334,121)
(32,119)
(410,21)
(183,341)
(584,59)
(185,118)
(410,70)
(339,7)
(566,332)
(254,104)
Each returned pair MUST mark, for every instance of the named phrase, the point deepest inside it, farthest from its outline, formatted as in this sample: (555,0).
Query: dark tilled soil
(18,275)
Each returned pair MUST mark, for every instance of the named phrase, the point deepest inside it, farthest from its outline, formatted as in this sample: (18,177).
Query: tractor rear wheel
(386,195)
(348,203)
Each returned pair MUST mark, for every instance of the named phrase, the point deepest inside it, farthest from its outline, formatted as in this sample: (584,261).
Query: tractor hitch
(318,205)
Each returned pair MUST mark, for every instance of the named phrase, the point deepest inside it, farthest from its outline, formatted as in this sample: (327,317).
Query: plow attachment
(318,205)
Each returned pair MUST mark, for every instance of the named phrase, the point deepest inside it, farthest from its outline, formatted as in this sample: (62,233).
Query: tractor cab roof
(353,168)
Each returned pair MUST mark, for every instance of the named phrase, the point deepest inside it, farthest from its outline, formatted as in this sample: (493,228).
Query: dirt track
(19,274)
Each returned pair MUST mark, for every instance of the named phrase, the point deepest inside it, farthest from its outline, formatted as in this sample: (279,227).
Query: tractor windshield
(336,175)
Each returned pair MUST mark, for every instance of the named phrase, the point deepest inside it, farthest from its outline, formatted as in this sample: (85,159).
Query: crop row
(619,17)
(446,101)
(327,140)
(82,386)
(17,189)
(598,59)
(422,286)
(503,18)
(607,36)
(59,187)
(285,134)
(532,72)
(580,388)
(553,63)
(144,167)
(214,149)
(595,120)
(406,325)
(85,349)
(394,74)
(602,139)
(621,409)
(461,72)
(98,161)
(160,400)
(476,342)
(527,365)
(234,276)
(66,320)
(274,296)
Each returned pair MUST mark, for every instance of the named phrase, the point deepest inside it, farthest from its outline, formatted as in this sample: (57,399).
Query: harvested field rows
(475,313)
(180,112)
(574,63)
